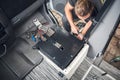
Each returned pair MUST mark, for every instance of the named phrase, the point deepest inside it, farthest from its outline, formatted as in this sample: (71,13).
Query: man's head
(83,8)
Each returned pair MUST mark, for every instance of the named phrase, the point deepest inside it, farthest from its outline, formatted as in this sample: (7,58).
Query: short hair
(83,7)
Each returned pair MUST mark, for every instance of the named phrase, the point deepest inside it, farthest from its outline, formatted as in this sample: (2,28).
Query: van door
(107,21)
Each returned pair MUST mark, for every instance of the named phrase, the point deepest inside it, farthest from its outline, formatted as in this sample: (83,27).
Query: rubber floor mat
(21,58)
(5,73)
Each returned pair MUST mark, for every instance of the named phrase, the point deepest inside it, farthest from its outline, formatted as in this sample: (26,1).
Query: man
(83,10)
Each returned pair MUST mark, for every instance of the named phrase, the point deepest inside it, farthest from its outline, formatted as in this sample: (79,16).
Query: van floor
(113,49)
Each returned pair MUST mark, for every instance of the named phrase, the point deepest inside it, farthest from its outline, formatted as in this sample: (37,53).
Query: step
(110,69)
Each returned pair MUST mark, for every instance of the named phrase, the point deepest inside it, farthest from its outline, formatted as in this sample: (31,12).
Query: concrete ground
(113,49)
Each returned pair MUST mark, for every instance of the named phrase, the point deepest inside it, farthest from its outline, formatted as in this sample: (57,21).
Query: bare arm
(87,26)
(85,29)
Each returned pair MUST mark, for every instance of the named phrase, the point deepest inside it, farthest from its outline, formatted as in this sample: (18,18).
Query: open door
(106,22)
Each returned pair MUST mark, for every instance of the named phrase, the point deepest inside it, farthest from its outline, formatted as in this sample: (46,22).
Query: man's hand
(80,36)
(74,29)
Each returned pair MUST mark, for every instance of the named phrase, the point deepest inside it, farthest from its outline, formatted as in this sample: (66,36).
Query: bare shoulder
(69,6)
